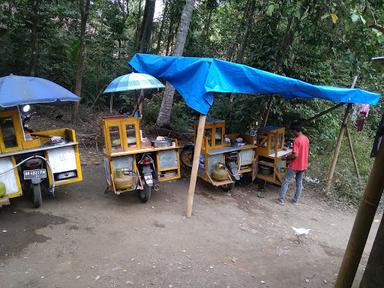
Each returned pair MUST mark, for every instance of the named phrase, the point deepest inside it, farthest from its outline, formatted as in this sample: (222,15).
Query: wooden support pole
(339,141)
(363,222)
(195,164)
(322,113)
(337,149)
(373,275)
(353,153)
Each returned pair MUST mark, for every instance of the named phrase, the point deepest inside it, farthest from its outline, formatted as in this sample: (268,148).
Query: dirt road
(85,238)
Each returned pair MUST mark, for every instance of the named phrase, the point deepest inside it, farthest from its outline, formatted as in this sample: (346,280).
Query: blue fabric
(196,79)
(21,90)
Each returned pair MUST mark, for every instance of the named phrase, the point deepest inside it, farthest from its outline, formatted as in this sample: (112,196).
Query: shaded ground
(85,238)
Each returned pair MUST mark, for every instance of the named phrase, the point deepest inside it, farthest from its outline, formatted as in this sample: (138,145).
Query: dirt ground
(85,238)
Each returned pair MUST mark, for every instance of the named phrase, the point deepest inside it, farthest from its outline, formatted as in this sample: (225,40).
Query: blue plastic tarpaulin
(196,79)
(21,90)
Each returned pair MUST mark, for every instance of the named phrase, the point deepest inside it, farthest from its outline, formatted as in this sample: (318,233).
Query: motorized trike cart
(224,158)
(35,161)
(134,163)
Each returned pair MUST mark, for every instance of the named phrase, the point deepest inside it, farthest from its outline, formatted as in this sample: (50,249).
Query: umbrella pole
(363,222)
(141,100)
(111,103)
(195,164)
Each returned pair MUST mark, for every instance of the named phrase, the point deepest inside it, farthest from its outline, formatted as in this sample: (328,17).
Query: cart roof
(22,90)
(196,79)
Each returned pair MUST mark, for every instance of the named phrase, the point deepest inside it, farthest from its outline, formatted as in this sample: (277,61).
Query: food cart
(269,153)
(34,161)
(224,159)
(135,163)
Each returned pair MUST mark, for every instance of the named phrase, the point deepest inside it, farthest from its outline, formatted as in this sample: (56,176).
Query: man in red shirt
(299,164)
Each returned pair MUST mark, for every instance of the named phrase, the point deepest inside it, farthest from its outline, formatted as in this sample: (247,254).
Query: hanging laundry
(361,112)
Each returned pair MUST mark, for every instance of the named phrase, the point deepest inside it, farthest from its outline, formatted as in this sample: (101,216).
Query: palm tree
(164,118)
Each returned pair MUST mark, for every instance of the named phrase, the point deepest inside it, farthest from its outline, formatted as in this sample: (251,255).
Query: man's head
(297,128)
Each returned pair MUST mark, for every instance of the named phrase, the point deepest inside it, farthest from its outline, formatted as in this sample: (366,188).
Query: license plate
(35,174)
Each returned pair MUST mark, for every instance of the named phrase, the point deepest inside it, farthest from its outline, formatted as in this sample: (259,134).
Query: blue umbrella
(133,81)
(22,90)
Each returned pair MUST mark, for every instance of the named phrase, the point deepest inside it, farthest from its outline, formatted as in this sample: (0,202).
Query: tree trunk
(170,37)
(206,29)
(84,12)
(146,27)
(138,25)
(34,37)
(164,118)
(243,25)
(159,38)
(251,7)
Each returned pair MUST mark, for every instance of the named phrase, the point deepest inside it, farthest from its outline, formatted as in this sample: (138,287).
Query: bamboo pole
(373,276)
(338,143)
(337,149)
(353,153)
(363,222)
(195,164)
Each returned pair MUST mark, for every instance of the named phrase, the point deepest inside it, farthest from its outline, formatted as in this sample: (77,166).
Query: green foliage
(346,186)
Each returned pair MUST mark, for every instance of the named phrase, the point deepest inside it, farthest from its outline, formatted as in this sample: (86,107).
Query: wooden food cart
(35,161)
(134,163)
(235,157)
(271,148)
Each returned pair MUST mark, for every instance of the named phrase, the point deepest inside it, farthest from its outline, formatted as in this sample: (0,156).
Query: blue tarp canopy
(21,90)
(196,79)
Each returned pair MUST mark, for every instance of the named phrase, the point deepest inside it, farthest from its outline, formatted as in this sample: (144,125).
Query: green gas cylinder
(2,190)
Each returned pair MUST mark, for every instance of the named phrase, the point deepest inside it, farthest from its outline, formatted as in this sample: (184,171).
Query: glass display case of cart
(270,150)
(121,133)
(213,134)
(126,152)
(270,139)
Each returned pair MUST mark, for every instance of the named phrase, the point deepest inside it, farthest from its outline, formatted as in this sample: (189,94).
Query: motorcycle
(148,171)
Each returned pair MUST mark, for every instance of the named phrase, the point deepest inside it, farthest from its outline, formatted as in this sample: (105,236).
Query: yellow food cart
(224,159)
(135,163)
(33,161)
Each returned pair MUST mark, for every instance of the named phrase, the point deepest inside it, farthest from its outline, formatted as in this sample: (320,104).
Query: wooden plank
(195,164)
(139,151)
(265,163)
(221,183)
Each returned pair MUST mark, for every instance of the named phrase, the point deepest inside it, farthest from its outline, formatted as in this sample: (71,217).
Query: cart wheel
(227,187)
(145,194)
(37,198)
